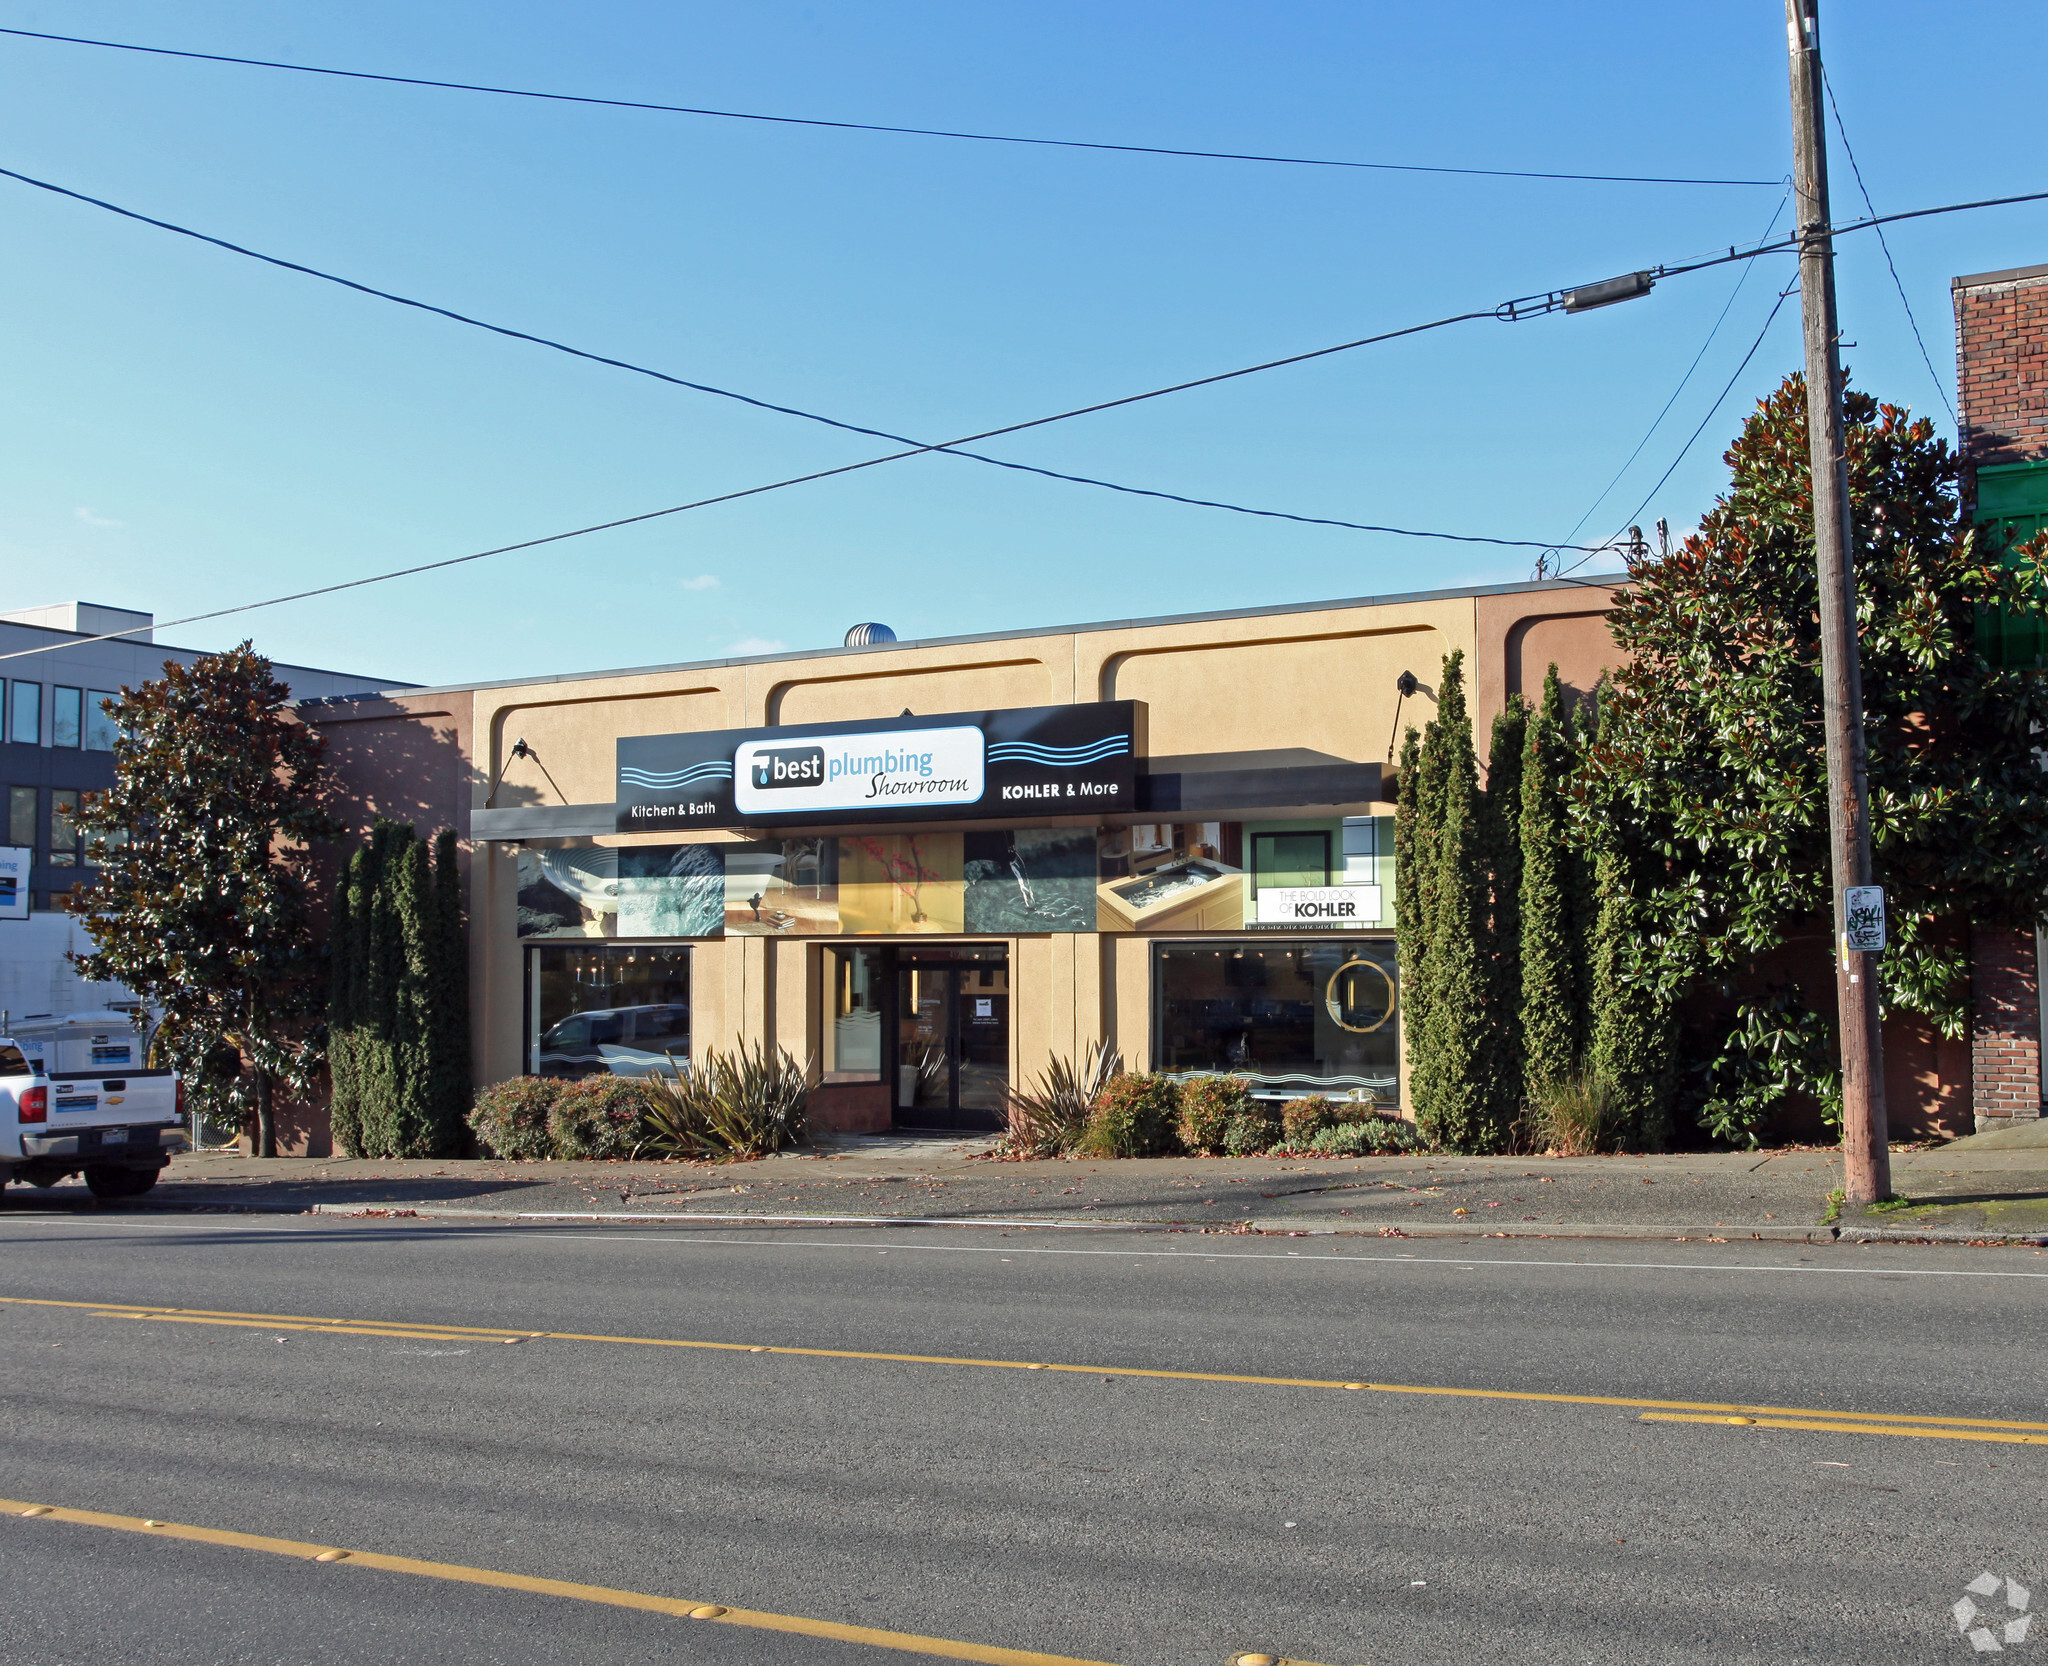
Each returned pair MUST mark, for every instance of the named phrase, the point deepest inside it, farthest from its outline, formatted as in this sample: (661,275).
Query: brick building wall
(2002,384)
(2002,364)
(2005,1025)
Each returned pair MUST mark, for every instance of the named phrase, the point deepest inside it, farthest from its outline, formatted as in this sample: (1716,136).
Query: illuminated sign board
(963,766)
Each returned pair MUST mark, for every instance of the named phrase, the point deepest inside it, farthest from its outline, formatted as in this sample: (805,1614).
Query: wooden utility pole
(1866,1155)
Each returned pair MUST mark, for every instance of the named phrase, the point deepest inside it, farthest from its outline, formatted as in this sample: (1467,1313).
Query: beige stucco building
(1221,894)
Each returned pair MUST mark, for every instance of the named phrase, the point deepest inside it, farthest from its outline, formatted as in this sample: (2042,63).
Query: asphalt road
(1139,1519)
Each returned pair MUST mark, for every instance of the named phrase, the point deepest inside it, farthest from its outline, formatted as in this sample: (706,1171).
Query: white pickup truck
(74,1099)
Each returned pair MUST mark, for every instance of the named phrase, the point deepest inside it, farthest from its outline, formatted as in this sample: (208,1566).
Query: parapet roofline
(1597,581)
(1988,280)
(371,687)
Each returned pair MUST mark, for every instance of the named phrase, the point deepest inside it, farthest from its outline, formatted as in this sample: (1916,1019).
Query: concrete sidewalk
(1989,1185)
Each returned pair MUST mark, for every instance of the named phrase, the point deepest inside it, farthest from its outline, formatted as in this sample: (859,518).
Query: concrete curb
(1308,1226)
(1300,1226)
(1938,1235)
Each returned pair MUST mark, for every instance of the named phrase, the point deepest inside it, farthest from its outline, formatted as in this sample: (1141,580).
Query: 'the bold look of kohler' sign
(965,766)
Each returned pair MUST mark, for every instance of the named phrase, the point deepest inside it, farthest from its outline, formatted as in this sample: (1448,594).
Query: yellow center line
(315,1328)
(457,1333)
(1861,1426)
(909,1642)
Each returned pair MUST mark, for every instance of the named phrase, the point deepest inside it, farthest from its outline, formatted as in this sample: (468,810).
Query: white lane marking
(1462,1263)
(465,1229)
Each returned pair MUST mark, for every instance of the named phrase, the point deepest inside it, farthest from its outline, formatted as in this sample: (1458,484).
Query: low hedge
(1207,1103)
(1134,1116)
(1302,1119)
(532,1118)
(1370,1136)
(599,1116)
(510,1119)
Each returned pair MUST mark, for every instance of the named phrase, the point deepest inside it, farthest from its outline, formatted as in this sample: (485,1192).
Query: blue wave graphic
(1059,757)
(633,777)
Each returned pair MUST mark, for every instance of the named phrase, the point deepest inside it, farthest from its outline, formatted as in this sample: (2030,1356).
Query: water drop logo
(1992,1629)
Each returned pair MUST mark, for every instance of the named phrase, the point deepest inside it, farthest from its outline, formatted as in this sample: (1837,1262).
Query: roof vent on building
(862,636)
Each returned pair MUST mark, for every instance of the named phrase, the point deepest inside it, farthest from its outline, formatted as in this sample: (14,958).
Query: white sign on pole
(15,862)
(1863,918)
(1318,905)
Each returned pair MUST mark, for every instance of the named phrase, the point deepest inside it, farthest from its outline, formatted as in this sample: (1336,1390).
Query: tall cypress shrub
(399,1019)
(1454,1048)
(1633,1043)
(1413,846)
(412,907)
(1632,1025)
(1443,768)
(1502,809)
(1556,991)
(345,1039)
(448,999)
(1459,1101)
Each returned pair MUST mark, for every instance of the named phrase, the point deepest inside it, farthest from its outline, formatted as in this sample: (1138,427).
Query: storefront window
(853,1015)
(619,1009)
(1314,1015)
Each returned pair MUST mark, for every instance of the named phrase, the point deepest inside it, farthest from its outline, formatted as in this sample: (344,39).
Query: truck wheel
(107,1181)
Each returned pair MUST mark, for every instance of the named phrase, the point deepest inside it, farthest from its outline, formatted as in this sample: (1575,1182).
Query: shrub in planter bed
(510,1119)
(1133,1116)
(597,1117)
(1302,1119)
(1252,1130)
(1367,1137)
(1207,1103)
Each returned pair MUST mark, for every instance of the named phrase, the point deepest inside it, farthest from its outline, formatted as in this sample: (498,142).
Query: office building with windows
(930,868)
(56,743)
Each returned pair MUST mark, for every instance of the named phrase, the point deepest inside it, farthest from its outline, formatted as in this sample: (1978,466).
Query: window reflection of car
(617,1041)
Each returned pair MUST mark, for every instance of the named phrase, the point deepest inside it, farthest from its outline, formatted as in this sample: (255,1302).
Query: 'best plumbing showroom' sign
(966,766)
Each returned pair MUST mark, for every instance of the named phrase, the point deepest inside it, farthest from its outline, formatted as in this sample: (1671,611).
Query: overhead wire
(768,486)
(1505,311)
(859,126)
(1691,439)
(1657,421)
(947,449)
(1842,133)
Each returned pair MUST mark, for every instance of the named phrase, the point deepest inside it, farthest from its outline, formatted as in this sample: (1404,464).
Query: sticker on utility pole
(1863,918)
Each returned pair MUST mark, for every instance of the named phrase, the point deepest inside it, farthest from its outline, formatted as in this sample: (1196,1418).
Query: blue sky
(186,430)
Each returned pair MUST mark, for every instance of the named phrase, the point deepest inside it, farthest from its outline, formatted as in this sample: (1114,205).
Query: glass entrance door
(953,1043)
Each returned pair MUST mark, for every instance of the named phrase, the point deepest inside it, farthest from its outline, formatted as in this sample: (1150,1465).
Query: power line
(1712,411)
(1842,132)
(1790,241)
(1657,421)
(861,126)
(769,486)
(1508,311)
(744,398)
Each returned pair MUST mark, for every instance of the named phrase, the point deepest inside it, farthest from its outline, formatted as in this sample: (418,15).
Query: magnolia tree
(202,902)
(1670,833)
(1704,792)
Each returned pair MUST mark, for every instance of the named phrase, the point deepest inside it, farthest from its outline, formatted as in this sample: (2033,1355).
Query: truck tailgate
(94,1099)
